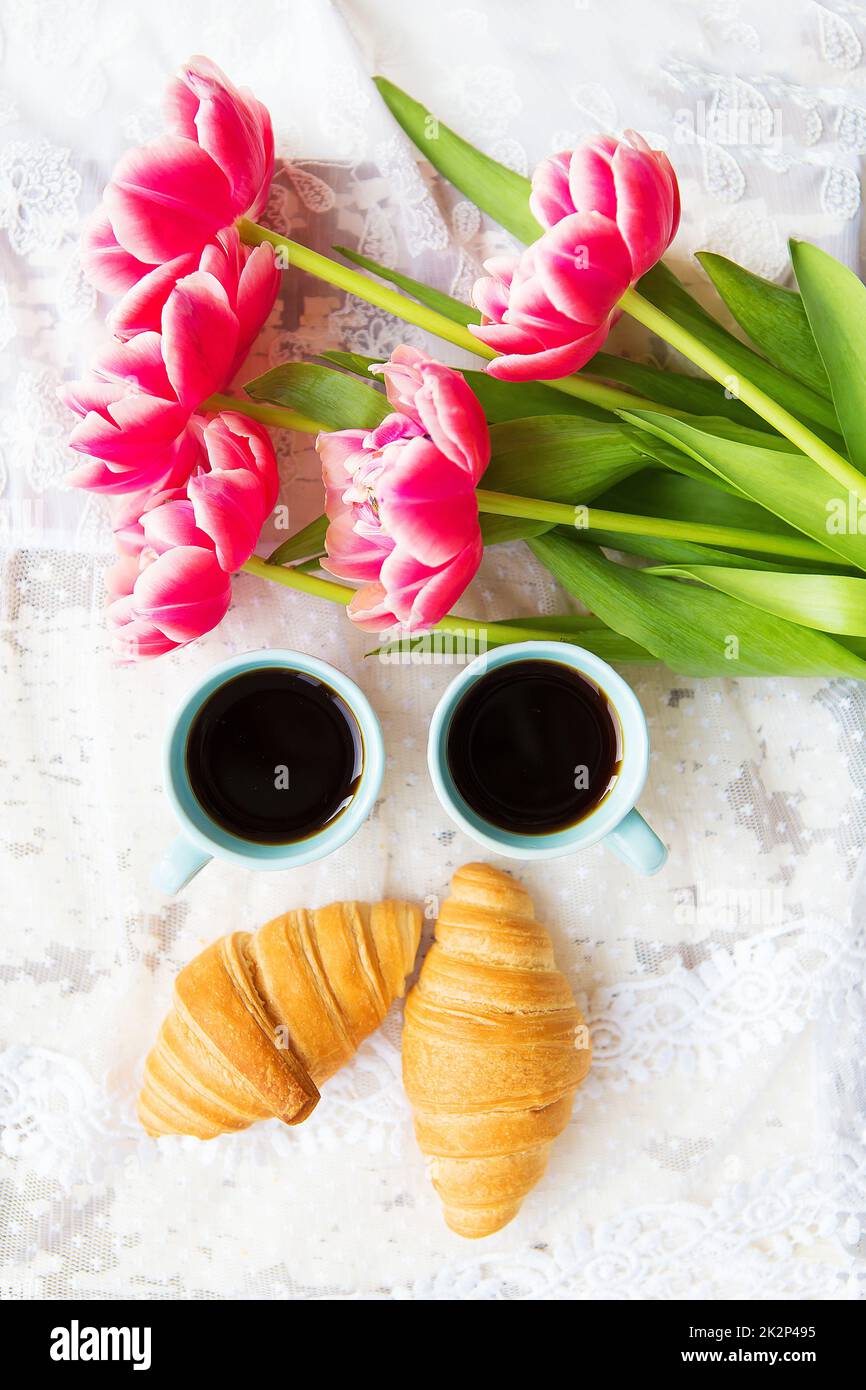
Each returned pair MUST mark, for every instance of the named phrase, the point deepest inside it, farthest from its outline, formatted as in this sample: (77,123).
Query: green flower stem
(715,366)
(604,395)
(660,528)
(275,415)
(402,307)
(294,578)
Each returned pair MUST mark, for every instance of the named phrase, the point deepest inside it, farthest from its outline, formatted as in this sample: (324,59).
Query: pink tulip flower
(132,427)
(248,276)
(135,404)
(164,600)
(171,583)
(401,498)
(223,505)
(625,180)
(106,264)
(169,199)
(439,400)
(158,470)
(610,209)
(548,310)
(232,498)
(230,124)
(173,513)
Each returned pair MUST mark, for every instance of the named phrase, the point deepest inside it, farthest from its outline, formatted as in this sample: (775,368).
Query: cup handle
(181,863)
(636,844)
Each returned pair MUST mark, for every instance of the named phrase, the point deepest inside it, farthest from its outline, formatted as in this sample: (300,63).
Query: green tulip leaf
(695,630)
(835,301)
(661,492)
(789,484)
(588,633)
(673,457)
(662,288)
(697,395)
(496,190)
(309,541)
(772,316)
(828,602)
(351,362)
(335,400)
(497,530)
(672,552)
(517,400)
(558,458)
(446,304)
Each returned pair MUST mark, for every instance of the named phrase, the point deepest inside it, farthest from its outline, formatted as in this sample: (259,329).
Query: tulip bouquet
(742,489)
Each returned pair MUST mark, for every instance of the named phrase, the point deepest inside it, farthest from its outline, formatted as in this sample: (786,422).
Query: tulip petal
(451,413)
(351,554)
(199,338)
(370,609)
(420,595)
(647,205)
(228,508)
(120,577)
(152,471)
(490,297)
(427,503)
(446,588)
(224,258)
(140,309)
(139,641)
(137,428)
(402,377)
(583,266)
(338,451)
(257,289)
(184,593)
(591,185)
(550,199)
(235,129)
(137,365)
(393,429)
(90,394)
(167,199)
(94,475)
(503,267)
(232,440)
(105,262)
(505,337)
(551,364)
(171,524)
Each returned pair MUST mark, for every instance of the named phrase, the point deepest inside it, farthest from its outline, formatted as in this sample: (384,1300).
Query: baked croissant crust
(259,1021)
(494,1048)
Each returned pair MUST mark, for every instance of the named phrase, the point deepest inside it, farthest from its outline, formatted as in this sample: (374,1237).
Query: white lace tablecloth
(718,1147)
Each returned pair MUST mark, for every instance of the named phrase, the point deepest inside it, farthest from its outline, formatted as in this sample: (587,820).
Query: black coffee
(534,747)
(274,755)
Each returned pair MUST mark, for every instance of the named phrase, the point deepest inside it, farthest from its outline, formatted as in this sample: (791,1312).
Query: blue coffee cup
(201,838)
(614,820)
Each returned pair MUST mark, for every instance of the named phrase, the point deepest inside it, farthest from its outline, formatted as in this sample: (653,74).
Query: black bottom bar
(255,1338)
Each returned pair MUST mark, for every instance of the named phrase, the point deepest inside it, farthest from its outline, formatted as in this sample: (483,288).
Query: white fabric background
(718,1146)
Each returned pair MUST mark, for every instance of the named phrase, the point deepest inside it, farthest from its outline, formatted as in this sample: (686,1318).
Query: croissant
(259,1021)
(494,1048)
